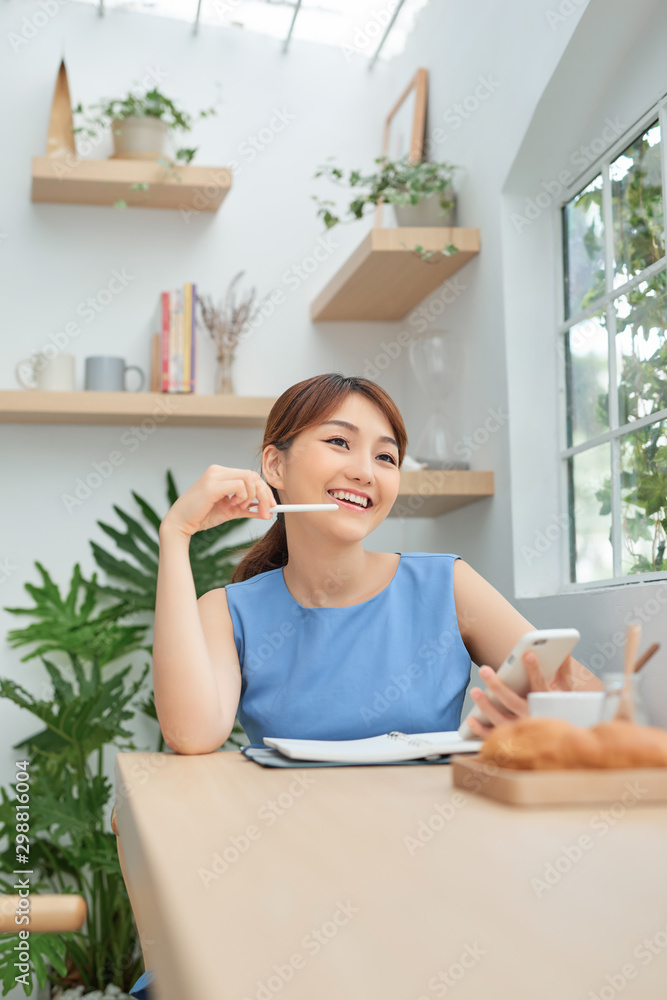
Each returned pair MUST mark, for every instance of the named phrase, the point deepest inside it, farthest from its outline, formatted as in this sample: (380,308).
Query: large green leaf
(63,628)
(44,948)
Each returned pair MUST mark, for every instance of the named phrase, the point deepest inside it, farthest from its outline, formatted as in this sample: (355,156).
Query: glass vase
(223,375)
(614,683)
(436,364)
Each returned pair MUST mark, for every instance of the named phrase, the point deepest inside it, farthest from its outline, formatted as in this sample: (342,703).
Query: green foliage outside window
(641,347)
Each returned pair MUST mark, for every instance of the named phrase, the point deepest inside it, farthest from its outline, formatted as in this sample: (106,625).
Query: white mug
(581,708)
(56,373)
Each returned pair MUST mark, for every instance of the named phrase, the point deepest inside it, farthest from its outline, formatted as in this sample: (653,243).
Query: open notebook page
(389,746)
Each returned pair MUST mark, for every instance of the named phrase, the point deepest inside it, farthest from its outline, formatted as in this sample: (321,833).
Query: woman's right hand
(220,495)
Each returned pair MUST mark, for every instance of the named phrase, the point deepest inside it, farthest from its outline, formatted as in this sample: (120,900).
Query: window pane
(636,191)
(587,379)
(590,487)
(584,248)
(641,353)
(644,499)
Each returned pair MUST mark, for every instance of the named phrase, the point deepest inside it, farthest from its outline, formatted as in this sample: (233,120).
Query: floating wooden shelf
(385,278)
(26,406)
(70,180)
(430,492)
(422,492)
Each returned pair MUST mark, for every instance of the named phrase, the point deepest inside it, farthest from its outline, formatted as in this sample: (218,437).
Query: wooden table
(385,883)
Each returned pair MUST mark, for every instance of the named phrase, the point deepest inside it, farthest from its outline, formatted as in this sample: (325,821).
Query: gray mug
(107,374)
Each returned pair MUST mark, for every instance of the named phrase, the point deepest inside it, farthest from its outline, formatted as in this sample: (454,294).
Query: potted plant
(141,124)
(421,194)
(82,711)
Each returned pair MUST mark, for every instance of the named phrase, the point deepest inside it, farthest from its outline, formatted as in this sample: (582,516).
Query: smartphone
(550,645)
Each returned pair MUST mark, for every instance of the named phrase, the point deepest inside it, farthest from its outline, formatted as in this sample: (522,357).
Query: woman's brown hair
(305,405)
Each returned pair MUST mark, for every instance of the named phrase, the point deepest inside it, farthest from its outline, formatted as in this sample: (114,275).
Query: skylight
(356,27)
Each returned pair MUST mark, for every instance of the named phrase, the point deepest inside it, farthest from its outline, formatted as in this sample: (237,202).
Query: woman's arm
(490,628)
(186,695)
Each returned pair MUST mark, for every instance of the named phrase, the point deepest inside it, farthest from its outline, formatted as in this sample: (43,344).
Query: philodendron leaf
(81,726)
(61,627)
(44,948)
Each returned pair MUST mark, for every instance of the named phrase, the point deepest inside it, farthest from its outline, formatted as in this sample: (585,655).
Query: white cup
(581,708)
(56,373)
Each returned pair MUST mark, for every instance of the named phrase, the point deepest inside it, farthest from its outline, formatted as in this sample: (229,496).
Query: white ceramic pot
(426,212)
(143,138)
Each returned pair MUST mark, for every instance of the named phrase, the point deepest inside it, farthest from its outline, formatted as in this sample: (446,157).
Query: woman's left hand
(514,706)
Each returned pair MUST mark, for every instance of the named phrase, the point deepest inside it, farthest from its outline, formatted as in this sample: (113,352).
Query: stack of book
(175,347)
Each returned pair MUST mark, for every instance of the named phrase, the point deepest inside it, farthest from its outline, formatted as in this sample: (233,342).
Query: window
(614,363)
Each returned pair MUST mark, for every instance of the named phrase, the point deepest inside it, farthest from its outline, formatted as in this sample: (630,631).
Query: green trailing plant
(398,182)
(83,710)
(137,104)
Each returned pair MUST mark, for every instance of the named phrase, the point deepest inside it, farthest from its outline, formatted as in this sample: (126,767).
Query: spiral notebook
(389,747)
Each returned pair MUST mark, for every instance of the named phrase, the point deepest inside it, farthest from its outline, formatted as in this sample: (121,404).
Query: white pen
(299,506)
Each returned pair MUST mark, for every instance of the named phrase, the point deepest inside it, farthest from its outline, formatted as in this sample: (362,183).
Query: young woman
(315,637)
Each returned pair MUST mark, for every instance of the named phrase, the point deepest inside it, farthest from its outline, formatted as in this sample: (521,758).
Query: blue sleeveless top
(396,661)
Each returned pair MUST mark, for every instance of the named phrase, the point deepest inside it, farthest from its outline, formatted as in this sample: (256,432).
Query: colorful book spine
(178,340)
(193,346)
(164,367)
(172,340)
(187,335)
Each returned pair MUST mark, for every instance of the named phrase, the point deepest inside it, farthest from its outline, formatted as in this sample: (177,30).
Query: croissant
(552,744)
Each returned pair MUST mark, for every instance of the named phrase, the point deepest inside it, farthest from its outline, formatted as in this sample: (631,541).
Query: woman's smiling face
(335,456)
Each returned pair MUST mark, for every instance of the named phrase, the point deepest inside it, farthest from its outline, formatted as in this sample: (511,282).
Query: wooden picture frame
(407,117)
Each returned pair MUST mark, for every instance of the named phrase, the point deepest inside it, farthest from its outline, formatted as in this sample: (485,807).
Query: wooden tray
(566,787)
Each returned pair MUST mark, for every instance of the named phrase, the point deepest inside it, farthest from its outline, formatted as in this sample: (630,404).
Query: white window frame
(604,303)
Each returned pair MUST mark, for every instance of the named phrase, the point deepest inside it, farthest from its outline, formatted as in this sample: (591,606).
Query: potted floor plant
(82,711)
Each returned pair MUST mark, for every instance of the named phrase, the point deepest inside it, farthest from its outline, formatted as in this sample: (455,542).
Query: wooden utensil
(645,657)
